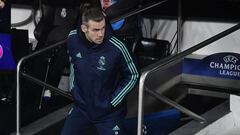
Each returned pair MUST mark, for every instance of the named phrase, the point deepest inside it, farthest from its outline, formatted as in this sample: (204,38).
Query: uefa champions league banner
(221,65)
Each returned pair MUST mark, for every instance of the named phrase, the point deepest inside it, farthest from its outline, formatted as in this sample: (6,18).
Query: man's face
(94,31)
(2,4)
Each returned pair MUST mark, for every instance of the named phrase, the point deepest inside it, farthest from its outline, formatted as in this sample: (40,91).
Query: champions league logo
(1,51)
(228,67)
(221,65)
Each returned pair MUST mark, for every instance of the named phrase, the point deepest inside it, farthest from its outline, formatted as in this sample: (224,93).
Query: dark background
(212,10)
(5,18)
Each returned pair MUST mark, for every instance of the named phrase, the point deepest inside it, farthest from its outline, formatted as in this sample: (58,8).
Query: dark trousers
(78,124)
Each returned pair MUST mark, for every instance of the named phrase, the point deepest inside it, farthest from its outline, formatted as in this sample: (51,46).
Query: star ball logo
(1,51)
(230,59)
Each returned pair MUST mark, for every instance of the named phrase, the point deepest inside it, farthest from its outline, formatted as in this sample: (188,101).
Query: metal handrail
(139,10)
(52,88)
(167,61)
(18,79)
(175,105)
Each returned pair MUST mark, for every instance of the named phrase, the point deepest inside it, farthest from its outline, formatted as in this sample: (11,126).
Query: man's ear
(84,28)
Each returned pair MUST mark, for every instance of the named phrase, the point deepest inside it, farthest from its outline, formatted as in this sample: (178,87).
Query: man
(2,4)
(104,73)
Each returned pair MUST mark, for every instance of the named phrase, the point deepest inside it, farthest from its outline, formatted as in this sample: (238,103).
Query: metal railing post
(18,97)
(140,103)
(18,120)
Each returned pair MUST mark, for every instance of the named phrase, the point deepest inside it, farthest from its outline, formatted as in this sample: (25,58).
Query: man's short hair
(92,13)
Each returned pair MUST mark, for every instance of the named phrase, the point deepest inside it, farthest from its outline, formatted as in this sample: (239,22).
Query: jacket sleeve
(129,74)
(72,53)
